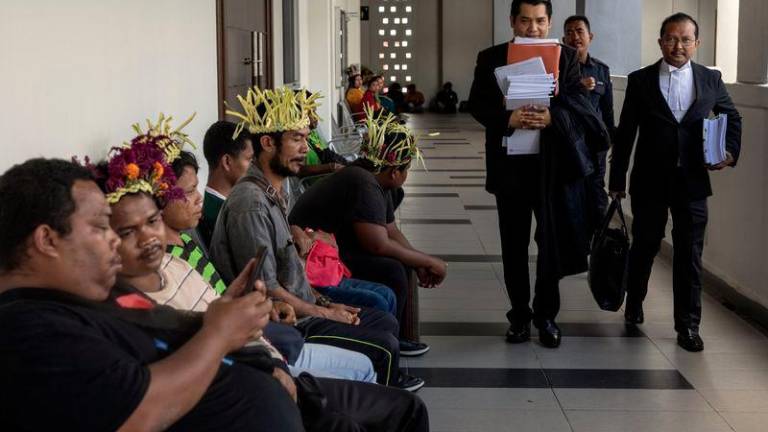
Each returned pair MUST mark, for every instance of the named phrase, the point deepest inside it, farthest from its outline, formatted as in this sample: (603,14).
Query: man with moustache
(666,104)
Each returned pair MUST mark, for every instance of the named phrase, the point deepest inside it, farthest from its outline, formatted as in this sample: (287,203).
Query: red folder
(550,53)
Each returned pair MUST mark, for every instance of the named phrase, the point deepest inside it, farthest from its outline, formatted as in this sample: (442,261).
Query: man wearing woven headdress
(254,215)
(355,205)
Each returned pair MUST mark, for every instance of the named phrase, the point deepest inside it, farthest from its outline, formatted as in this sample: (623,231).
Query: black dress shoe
(689,340)
(634,314)
(549,333)
(519,332)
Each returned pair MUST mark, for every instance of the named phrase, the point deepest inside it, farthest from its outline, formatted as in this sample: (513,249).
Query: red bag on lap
(324,267)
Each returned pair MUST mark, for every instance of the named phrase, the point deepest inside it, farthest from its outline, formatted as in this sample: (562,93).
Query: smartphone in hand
(261,253)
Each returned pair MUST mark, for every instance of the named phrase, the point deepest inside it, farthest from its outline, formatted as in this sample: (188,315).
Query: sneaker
(409,383)
(412,349)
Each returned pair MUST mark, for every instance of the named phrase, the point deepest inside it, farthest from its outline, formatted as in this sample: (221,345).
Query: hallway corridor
(603,377)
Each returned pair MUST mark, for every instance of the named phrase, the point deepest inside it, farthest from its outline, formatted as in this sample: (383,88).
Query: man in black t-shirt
(66,361)
(356,205)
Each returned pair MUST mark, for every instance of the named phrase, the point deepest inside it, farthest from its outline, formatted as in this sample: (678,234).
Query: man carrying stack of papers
(714,139)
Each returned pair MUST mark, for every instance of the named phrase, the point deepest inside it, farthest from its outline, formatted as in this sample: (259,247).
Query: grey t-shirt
(249,219)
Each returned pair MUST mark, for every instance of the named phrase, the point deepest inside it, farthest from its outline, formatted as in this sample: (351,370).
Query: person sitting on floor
(414,100)
(356,206)
(446,99)
(255,215)
(68,361)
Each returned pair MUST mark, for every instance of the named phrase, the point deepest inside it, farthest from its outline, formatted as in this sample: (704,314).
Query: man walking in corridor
(526,185)
(668,102)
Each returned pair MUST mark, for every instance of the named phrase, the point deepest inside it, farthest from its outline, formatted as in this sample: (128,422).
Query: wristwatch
(323,301)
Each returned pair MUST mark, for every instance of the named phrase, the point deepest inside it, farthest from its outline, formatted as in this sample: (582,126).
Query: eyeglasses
(672,42)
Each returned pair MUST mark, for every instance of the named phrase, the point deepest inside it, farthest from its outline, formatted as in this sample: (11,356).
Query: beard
(278,168)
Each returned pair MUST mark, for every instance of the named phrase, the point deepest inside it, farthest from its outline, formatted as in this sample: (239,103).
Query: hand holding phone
(245,282)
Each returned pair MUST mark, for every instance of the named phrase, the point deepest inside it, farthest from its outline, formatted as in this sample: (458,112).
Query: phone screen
(261,253)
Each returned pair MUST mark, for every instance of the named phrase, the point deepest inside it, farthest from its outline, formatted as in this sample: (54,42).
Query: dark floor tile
(477,258)
(431,195)
(498,329)
(436,221)
(447,170)
(636,379)
(659,379)
(481,377)
(467,185)
(480,207)
(470,258)
(453,157)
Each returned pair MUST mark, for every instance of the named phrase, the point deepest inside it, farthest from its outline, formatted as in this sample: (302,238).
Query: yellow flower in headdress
(278,110)
(171,141)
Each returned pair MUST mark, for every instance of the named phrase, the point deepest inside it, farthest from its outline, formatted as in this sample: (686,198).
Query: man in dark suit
(516,180)
(668,102)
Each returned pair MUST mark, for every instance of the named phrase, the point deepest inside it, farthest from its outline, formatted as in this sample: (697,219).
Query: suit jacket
(662,141)
(486,102)
(564,159)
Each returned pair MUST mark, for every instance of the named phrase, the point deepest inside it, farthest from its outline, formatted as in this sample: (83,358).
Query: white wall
(462,42)
(654,12)
(75,75)
(617,33)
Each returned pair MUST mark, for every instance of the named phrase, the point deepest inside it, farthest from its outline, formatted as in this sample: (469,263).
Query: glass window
(408,32)
(393,8)
(382,32)
(385,20)
(408,9)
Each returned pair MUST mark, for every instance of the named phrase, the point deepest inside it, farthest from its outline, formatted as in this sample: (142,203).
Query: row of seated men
(114,316)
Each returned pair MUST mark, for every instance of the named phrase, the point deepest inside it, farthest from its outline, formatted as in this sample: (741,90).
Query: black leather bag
(609,260)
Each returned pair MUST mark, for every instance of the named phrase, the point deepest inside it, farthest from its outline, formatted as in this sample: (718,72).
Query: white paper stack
(525,83)
(714,139)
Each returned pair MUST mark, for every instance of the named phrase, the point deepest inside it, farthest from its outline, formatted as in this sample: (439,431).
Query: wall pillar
(753,42)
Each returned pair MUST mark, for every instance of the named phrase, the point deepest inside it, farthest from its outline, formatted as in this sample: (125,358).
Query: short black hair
(577,18)
(516,4)
(36,192)
(277,137)
(185,159)
(218,142)
(678,18)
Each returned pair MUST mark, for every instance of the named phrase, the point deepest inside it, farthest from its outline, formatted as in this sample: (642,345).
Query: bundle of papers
(714,139)
(529,79)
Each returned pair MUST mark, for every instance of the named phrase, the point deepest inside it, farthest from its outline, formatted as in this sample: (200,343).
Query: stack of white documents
(714,139)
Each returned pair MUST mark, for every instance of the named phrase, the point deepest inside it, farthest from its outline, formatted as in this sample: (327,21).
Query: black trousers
(689,220)
(516,209)
(355,406)
(375,337)
(383,270)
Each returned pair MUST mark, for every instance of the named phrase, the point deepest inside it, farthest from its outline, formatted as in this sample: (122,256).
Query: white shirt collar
(668,68)
(215,193)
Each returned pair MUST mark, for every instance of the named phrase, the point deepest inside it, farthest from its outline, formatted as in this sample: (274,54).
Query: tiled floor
(604,377)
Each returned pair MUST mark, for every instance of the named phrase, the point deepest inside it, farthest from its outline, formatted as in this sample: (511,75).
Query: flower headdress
(144,164)
(383,153)
(279,110)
